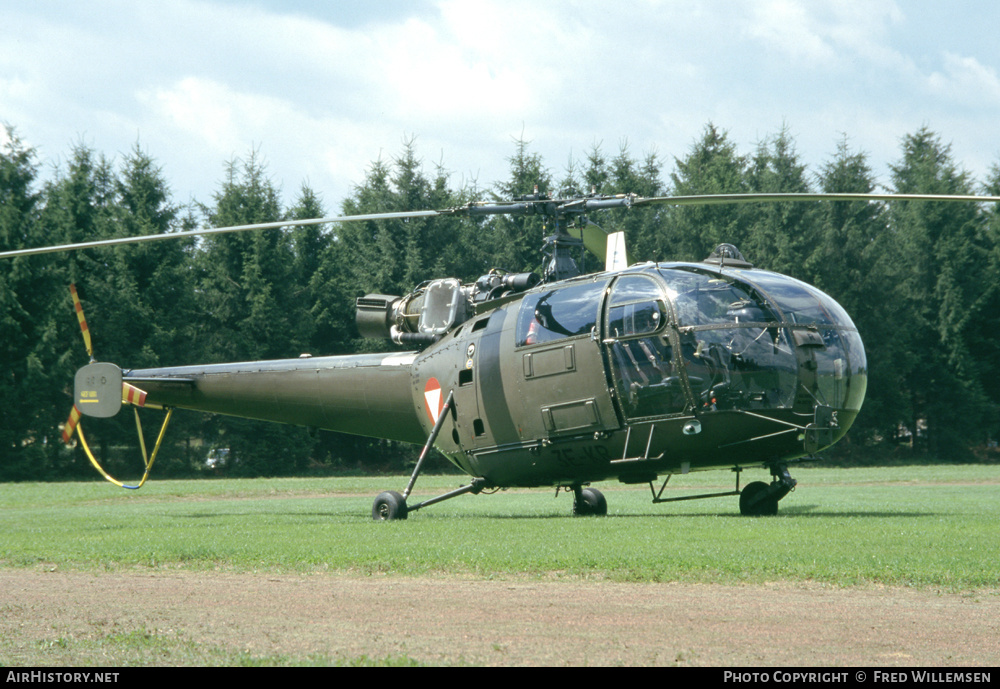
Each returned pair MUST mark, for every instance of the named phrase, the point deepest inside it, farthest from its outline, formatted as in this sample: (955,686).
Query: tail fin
(616,257)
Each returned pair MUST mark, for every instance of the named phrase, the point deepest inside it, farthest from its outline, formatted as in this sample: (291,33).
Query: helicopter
(636,372)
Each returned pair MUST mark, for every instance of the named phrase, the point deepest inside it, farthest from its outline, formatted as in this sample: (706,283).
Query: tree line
(920,279)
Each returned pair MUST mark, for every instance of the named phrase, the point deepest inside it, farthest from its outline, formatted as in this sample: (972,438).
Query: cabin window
(631,288)
(559,313)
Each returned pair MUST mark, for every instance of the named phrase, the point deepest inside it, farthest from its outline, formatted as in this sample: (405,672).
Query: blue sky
(321,89)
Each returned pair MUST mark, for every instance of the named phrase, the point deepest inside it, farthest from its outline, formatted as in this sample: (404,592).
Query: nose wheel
(754,500)
(760,499)
(589,502)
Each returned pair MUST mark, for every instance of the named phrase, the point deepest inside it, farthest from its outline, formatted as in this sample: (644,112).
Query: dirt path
(506,622)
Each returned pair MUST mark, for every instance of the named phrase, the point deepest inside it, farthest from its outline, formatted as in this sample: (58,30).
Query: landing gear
(391,505)
(754,501)
(589,502)
(388,506)
(760,499)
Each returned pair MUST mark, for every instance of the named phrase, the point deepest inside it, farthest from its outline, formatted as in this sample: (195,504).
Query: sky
(321,89)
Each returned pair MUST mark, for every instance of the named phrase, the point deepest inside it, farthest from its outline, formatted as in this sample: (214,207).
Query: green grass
(141,647)
(927,526)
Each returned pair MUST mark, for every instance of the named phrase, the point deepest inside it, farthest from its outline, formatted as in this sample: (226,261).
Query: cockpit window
(636,307)
(800,303)
(707,298)
(560,313)
(640,351)
(740,367)
(630,320)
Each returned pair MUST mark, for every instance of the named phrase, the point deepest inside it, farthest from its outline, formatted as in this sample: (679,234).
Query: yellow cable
(142,439)
(142,443)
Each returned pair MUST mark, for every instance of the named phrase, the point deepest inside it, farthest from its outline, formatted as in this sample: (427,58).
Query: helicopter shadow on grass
(817,511)
(797,511)
(251,513)
(813,511)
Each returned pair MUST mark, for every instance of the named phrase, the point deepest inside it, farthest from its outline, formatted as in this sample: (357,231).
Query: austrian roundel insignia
(434,399)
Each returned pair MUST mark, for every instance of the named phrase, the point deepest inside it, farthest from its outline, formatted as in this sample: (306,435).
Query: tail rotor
(99,392)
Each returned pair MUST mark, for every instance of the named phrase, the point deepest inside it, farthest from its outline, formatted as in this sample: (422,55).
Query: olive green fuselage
(567,383)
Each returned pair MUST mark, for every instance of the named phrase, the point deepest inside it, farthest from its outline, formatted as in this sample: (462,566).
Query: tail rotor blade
(83,321)
(133,395)
(70,425)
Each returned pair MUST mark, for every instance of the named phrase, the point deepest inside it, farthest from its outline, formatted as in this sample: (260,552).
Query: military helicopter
(637,372)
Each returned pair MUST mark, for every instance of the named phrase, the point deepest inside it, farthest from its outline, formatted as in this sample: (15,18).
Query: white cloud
(425,74)
(202,110)
(826,34)
(789,28)
(967,81)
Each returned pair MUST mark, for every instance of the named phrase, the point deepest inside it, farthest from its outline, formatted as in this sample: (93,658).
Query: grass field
(108,577)
(928,526)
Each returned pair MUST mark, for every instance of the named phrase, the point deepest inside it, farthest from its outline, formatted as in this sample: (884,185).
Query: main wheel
(388,506)
(590,501)
(755,503)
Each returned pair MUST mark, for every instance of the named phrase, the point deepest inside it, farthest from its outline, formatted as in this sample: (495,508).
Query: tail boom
(366,394)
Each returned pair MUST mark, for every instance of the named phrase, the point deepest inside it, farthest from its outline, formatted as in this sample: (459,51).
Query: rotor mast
(560,245)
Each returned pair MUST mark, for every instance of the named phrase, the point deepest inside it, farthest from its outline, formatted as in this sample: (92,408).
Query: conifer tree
(78,205)
(713,166)
(514,240)
(984,317)
(144,300)
(27,395)
(932,262)
(845,263)
(641,225)
(780,235)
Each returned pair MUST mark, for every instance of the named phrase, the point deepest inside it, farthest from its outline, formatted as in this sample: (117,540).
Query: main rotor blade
(516,208)
(717,199)
(218,230)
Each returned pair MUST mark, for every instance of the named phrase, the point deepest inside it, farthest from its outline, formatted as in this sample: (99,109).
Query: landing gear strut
(390,505)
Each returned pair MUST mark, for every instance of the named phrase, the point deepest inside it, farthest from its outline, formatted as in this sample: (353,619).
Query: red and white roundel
(434,399)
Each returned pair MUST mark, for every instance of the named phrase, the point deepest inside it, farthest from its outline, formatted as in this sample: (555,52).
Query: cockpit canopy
(685,337)
(742,339)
